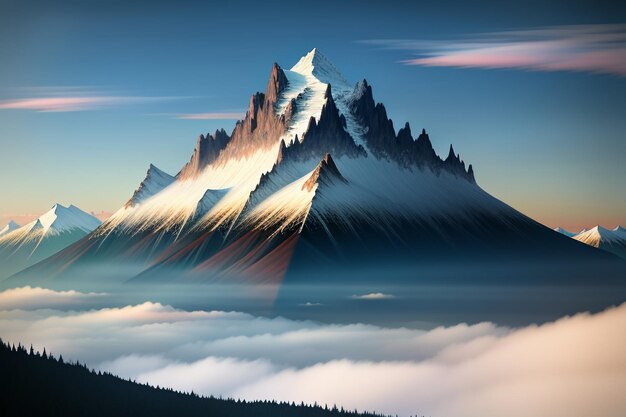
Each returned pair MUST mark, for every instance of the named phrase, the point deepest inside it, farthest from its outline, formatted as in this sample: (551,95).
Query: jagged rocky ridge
(261,126)
(329,135)
(383,141)
(207,150)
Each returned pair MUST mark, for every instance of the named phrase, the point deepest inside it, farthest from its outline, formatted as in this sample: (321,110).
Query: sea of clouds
(575,366)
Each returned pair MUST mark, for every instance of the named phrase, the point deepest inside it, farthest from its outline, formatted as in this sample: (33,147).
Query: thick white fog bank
(33,298)
(573,367)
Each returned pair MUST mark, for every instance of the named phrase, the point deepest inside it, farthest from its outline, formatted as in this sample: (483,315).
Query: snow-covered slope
(308,81)
(154,182)
(51,232)
(315,172)
(610,240)
(59,219)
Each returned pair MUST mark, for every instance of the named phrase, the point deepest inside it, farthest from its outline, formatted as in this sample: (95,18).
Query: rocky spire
(404,138)
(326,173)
(470,174)
(451,155)
(261,128)
(424,151)
(362,102)
(276,84)
(207,150)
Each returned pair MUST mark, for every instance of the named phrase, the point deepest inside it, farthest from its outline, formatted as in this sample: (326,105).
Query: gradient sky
(533,94)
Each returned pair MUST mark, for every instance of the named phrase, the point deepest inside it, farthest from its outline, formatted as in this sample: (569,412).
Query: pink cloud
(588,48)
(71,99)
(211,116)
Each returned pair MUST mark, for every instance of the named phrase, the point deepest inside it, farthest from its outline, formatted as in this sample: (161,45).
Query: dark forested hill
(37,384)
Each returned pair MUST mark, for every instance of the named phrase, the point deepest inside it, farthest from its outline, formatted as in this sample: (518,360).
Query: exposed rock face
(383,142)
(291,109)
(454,164)
(326,173)
(261,127)
(207,150)
(323,137)
(424,148)
(276,84)
(362,103)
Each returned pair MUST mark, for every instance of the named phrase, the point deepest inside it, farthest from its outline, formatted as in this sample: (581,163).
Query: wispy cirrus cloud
(211,116)
(372,296)
(73,99)
(584,48)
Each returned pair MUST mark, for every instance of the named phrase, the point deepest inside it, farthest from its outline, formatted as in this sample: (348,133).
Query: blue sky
(547,140)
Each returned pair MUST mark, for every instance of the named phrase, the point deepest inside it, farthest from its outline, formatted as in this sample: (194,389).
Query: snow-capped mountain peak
(56,221)
(325,172)
(11,226)
(53,231)
(597,235)
(316,64)
(60,219)
(154,181)
(610,240)
(268,200)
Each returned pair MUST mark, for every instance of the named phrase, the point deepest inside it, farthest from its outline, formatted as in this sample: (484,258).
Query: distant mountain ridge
(610,240)
(49,233)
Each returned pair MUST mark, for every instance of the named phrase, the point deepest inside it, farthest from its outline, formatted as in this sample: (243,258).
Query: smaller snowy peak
(610,240)
(154,181)
(48,218)
(317,65)
(325,173)
(564,232)
(11,226)
(61,219)
(599,235)
(209,200)
(35,226)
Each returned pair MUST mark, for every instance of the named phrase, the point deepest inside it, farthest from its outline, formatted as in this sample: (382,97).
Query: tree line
(38,383)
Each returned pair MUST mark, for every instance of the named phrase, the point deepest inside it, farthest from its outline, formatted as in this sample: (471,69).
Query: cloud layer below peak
(572,367)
